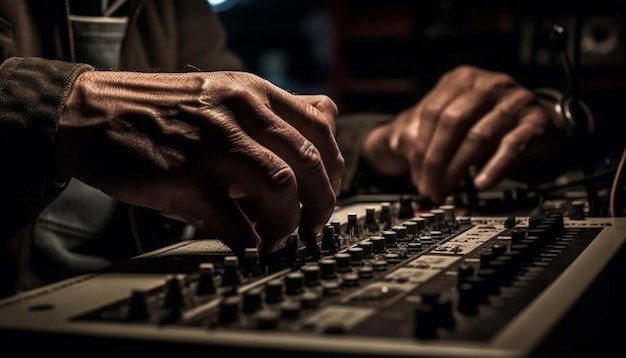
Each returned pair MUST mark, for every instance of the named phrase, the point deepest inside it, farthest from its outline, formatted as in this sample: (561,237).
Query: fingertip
(269,246)
(482,181)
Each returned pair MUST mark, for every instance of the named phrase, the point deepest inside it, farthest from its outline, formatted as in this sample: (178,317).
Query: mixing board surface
(383,280)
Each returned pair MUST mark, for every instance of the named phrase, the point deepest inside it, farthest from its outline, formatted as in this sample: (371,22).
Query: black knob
(370,224)
(391,237)
(406,210)
(206,279)
(464,271)
(274,291)
(231,275)
(368,248)
(328,245)
(311,275)
(343,262)
(138,306)
(425,322)
(294,283)
(384,219)
(328,269)
(251,264)
(174,297)
(267,319)
(252,300)
(229,309)
(378,244)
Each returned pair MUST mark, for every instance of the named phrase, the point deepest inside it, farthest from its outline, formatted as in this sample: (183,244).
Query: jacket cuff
(351,132)
(32,94)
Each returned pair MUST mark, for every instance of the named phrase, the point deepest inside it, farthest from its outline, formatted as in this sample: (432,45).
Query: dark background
(384,55)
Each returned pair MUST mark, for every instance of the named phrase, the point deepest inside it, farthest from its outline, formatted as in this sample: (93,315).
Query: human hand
(471,117)
(227,152)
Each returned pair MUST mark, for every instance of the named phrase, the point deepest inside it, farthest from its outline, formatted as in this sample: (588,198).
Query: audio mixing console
(383,280)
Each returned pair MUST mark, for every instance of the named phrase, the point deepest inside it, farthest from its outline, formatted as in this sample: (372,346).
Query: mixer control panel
(377,282)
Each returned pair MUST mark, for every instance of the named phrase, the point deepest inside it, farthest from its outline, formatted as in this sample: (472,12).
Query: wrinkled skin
(227,152)
(472,117)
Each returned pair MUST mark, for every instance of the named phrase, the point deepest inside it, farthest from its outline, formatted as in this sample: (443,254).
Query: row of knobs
(498,268)
(304,288)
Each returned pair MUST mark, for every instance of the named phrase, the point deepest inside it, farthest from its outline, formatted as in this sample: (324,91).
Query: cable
(597,175)
(616,183)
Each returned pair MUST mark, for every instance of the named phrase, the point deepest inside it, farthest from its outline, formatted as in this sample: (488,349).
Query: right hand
(227,152)
(472,117)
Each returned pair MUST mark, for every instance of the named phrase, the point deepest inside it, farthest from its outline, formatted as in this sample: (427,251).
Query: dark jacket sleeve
(202,40)
(176,36)
(32,93)
(358,178)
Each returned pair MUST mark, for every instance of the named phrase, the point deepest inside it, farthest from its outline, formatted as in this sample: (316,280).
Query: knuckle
(431,110)
(512,142)
(523,96)
(464,70)
(498,80)
(328,104)
(284,180)
(451,117)
(480,135)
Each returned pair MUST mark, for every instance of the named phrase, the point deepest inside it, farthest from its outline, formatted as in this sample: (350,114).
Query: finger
(316,193)
(480,140)
(216,214)
(509,152)
(484,137)
(329,112)
(241,167)
(325,106)
(430,109)
(292,140)
(450,131)
(314,117)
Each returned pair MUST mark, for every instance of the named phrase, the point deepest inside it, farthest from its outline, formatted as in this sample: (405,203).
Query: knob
(378,244)
(420,224)
(343,262)
(406,210)
(411,229)
(231,272)
(425,322)
(138,306)
(391,237)
(294,283)
(229,309)
(370,224)
(251,264)
(290,309)
(577,210)
(464,271)
(311,275)
(206,282)
(438,219)
(352,227)
(328,245)
(252,300)
(274,291)
(267,319)
(367,247)
(384,219)
(356,255)
(328,269)
(174,297)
